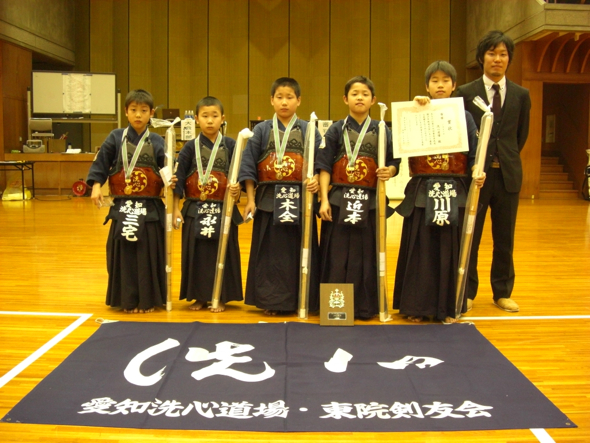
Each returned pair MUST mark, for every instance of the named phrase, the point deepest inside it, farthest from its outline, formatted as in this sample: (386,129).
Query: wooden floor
(52,260)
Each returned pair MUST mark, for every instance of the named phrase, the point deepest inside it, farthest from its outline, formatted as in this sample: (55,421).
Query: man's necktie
(497,102)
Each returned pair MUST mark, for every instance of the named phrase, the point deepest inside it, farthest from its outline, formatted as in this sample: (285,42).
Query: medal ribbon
(204,178)
(357,146)
(128,168)
(281,147)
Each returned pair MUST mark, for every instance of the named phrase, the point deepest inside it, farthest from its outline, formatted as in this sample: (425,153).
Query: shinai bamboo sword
(485,129)
(226,214)
(381,224)
(168,171)
(307,226)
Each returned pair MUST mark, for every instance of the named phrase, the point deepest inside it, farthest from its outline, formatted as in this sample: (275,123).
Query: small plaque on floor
(337,304)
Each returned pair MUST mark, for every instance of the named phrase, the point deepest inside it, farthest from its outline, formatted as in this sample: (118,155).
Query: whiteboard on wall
(74,93)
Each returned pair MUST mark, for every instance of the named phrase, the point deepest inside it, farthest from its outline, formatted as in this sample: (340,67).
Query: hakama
(137,270)
(426,273)
(273,275)
(199,260)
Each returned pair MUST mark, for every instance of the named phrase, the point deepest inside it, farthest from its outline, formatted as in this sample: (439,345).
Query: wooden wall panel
(269,52)
(350,40)
(82,62)
(148,48)
(309,54)
(458,38)
(102,46)
(430,39)
(121,50)
(531,153)
(16,78)
(102,28)
(390,52)
(188,53)
(2,174)
(109,52)
(82,35)
(228,60)
(46,27)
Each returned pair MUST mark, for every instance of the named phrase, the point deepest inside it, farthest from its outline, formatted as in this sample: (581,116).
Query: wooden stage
(52,268)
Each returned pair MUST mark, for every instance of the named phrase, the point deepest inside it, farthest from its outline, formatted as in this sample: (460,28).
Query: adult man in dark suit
(511,105)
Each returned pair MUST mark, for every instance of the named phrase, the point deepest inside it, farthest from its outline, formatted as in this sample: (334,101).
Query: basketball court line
(542,435)
(47,346)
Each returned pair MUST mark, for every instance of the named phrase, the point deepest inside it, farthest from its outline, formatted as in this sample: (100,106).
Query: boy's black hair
(209,101)
(359,79)
(288,82)
(440,65)
(490,41)
(141,97)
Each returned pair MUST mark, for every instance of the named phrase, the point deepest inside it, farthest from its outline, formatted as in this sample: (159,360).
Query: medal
(280,147)
(128,167)
(350,172)
(352,155)
(204,176)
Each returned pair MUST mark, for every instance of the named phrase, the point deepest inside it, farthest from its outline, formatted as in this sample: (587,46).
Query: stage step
(555,183)
(559,194)
(554,176)
(549,160)
(547,168)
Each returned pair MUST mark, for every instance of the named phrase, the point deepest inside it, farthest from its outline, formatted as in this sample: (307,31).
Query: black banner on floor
(288,377)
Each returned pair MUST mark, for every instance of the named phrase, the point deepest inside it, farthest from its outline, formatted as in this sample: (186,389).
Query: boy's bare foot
(197,306)
(220,307)
(449,320)
(131,311)
(270,312)
(415,319)
(146,311)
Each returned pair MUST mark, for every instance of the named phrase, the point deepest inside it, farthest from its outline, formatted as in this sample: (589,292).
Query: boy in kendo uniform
(271,174)
(348,180)
(203,166)
(426,275)
(136,254)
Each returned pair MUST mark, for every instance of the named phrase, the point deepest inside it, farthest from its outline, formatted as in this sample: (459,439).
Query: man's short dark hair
(490,41)
(209,101)
(285,82)
(139,96)
(440,65)
(359,79)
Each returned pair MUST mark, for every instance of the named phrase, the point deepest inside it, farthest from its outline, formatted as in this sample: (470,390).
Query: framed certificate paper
(437,128)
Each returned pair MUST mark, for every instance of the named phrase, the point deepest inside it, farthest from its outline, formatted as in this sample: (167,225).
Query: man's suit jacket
(509,133)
